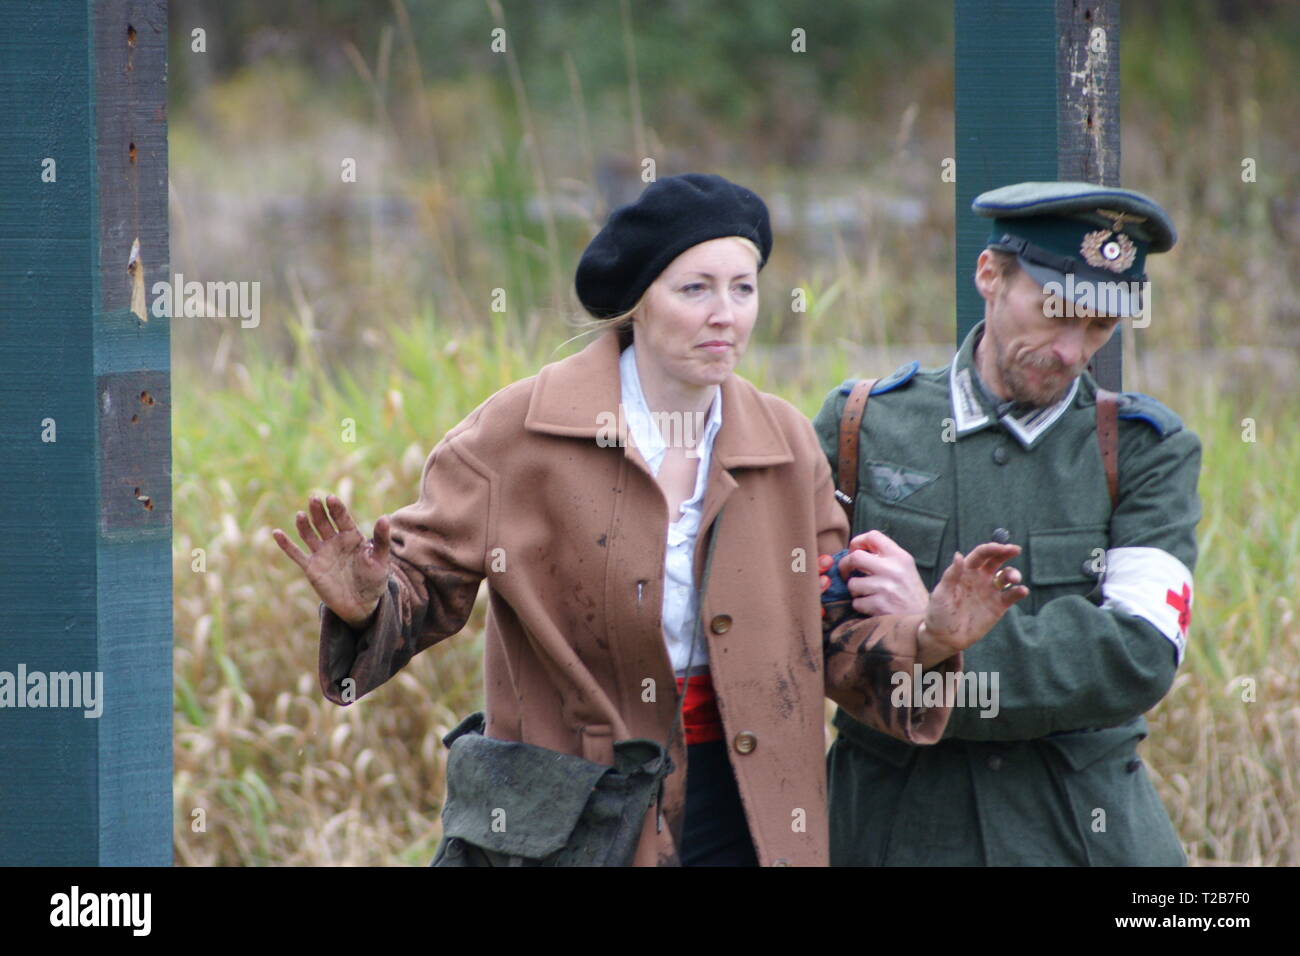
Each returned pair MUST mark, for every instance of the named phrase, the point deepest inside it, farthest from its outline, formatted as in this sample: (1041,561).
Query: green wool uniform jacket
(1042,768)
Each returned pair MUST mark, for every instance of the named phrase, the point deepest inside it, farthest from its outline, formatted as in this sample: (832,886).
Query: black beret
(671,215)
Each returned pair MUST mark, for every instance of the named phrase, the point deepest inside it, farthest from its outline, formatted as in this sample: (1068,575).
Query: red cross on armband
(1151,584)
(1182,603)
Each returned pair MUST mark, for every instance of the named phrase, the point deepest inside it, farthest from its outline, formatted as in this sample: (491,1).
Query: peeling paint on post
(1087,91)
(85,414)
(1037,98)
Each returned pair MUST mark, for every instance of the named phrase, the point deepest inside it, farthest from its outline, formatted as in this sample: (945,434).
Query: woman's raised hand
(973,594)
(347,571)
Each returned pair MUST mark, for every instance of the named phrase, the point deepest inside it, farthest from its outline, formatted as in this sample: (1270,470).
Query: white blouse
(681,602)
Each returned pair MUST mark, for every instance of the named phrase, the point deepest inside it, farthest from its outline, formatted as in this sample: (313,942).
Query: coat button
(1087,569)
(1000,456)
(1001,535)
(745,742)
(453,847)
(720,624)
(1133,765)
(995,762)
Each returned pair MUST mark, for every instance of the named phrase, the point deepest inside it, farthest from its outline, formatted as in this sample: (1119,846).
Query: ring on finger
(1003,579)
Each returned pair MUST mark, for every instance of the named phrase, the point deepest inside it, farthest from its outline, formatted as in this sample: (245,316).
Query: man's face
(1037,349)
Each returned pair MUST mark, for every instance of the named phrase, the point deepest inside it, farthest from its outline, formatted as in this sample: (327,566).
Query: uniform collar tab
(974,407)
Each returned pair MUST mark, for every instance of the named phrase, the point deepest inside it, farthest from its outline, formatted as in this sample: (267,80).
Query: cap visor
(1102,296)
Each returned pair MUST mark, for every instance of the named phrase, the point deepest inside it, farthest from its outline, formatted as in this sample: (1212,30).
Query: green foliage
(731,50)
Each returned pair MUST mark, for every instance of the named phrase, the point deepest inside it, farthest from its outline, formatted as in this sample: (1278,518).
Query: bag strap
(1108,439)
(846,485)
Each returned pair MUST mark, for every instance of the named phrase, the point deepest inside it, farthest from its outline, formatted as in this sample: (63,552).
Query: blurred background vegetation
(481,170)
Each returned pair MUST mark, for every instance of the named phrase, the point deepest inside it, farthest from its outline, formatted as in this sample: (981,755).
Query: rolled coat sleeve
(862,655)
(436,564)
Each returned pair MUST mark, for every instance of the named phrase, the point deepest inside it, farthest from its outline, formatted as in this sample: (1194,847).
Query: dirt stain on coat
(786,697)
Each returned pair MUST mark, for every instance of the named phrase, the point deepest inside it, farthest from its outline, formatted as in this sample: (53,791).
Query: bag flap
(475,723)
(515,798)
(638,755)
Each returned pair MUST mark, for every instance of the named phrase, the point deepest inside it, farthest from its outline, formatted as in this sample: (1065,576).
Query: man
(1040,766)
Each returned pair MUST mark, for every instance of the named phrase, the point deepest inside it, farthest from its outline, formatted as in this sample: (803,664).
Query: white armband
(1151,584)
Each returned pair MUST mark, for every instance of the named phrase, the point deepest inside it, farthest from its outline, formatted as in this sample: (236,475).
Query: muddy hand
(971,597)
(347,571)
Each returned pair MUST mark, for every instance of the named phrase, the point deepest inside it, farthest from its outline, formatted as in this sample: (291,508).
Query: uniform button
(1001,456)
(1001,535)
(720,624)
(1133,765)
(1087,569)
(745,742)
(780,861)
(453,847)
(995,762)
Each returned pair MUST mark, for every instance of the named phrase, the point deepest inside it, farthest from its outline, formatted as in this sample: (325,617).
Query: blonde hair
(623,321)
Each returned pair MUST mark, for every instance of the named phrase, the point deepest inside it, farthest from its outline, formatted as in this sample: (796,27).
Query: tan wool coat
(569,527)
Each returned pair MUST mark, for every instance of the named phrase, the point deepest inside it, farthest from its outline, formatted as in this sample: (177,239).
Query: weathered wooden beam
(85,428)
(1037,98)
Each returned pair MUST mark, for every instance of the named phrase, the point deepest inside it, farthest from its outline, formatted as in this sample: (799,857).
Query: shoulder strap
(1108,439)
(846,484)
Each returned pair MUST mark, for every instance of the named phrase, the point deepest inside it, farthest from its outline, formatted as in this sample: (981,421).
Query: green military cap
(1090,241)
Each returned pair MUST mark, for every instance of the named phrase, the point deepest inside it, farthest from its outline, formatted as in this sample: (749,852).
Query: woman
(581,494)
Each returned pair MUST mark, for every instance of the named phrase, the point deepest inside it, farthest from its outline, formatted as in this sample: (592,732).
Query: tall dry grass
(454,204)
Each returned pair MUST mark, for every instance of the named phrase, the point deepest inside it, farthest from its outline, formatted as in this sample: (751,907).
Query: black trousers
(715,832)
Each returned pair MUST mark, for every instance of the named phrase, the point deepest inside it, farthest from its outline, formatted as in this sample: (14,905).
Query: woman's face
(695,320)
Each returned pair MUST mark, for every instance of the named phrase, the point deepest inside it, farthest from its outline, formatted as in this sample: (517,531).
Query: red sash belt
(700,715)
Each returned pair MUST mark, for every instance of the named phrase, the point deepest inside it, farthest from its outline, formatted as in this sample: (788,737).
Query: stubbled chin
(1040,396)
(1043,399)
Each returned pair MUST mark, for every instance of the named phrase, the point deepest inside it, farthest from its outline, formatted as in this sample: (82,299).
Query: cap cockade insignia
(1106,249)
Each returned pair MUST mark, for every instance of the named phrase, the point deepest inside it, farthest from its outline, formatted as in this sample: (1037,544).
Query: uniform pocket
(919,533)
(1115,808)
(1080,749)
(1066,555)
(1065,561)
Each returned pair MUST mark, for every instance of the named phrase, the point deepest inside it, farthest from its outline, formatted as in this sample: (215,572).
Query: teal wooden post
(85,429)
(1037,84)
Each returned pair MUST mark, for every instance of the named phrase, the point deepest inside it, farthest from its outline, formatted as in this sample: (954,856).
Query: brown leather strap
(850,428)
(1108,439)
